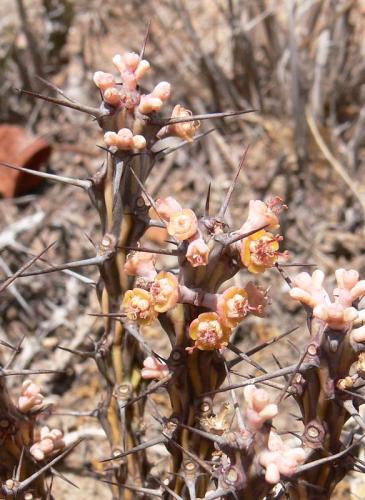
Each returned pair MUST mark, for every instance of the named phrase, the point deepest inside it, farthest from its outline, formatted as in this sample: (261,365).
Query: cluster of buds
(260,250)
(125,94)
(125,140)
(49,442)
(279,459)
(212,330)
(259,408)
(30,397)
(182,224)
(340,314)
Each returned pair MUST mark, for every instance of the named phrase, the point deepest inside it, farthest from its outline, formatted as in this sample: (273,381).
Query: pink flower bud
(162,91)
(142,69)
(358,334)
(198,253)
(279,459)
(103,80)
(339,315)
(111,138)
(259,409)
(112,96)
(129,81)
(131,61)
(346,279)
(262,214)
(148,104)
(49,442)
(125,139)
(358,291)
(141,264)
(166,207)
(30,398)
(139,142)
(154,369)
(119,62)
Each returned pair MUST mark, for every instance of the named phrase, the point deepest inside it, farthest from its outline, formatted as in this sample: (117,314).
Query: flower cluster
(340,314)
(49,442)
(143,306)
(30,398)
(182,224)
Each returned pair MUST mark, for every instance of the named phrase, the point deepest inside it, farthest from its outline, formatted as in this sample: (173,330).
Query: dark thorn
(259,347)
(136,449)
(242,236)
(150,250)
(169,121)
(24,484)
(141,54)
(227,199)
(84,184)
(78,107)
(207,201)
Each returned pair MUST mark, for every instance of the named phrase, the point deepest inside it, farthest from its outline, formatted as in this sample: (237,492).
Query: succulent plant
(227,448)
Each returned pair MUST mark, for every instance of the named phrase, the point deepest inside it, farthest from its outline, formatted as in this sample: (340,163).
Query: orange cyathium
(138,305)
(208,332)
(233,306)
(260,251)
(165,291)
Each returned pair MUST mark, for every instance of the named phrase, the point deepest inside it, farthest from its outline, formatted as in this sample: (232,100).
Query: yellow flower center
(236,306)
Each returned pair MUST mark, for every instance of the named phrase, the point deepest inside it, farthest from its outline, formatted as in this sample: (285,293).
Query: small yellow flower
(138,305)
(165,291)
(182,224)
(233,306)
(260,251)
(208,332)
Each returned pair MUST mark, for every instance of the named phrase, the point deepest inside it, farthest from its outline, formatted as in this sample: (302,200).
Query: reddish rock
(22,149)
